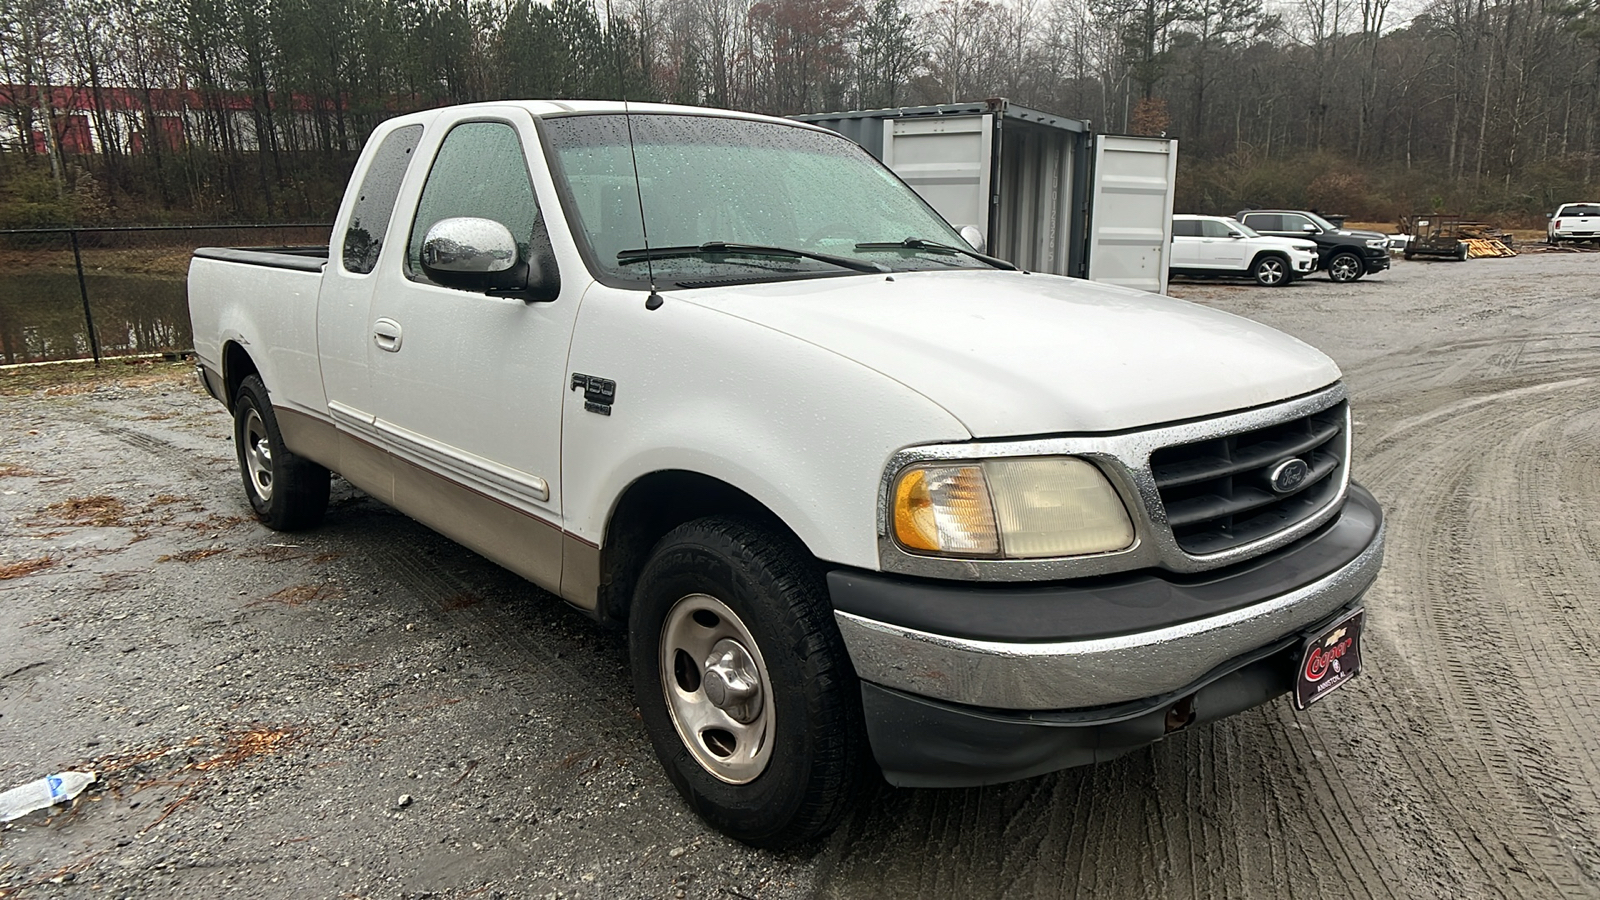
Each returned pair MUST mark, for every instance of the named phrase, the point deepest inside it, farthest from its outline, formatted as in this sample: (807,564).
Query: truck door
(467,388)
(1130,211)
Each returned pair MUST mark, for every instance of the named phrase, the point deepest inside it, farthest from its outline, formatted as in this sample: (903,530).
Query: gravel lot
(368,710)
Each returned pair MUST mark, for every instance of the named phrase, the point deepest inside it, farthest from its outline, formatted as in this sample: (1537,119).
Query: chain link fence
(88,293)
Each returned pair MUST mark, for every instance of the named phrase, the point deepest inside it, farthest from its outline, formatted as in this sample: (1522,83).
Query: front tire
(1270,271)
(744,684)
(287,492)
(1345,268)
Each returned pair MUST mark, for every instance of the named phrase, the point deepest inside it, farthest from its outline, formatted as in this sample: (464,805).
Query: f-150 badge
(598,393)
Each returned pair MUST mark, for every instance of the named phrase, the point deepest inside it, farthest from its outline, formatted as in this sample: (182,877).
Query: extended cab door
(467,388)
(345,300)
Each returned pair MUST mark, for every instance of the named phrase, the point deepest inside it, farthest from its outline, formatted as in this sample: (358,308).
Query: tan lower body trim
(527,545)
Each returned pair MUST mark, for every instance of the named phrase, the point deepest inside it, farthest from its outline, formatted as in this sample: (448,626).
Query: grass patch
(68,379)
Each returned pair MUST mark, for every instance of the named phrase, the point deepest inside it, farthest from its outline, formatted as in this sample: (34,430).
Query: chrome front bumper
(1078,674)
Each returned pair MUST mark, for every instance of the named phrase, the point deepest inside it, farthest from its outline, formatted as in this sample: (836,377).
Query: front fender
(803,430)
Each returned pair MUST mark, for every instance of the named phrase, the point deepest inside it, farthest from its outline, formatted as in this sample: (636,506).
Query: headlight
(1378,243)
(1013,508)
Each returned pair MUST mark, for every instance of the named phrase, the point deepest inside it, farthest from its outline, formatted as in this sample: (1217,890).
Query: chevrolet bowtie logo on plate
(1289,474)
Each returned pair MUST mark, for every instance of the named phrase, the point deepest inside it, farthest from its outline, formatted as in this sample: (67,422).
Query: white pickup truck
(1573,222)
(862,498)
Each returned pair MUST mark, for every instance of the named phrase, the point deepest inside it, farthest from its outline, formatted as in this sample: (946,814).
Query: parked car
(1574,222)
(1346,255)
(859,496)
(1217,246)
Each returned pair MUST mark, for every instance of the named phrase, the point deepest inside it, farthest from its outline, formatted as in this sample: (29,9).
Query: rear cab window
(369,219)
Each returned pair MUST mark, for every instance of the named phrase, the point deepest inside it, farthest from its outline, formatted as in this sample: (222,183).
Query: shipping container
(1048,193)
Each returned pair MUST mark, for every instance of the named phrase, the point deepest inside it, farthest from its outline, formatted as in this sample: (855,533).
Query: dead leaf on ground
(214,522)
(192,555)
(25,567)
(121,581)
(273,553)
(300,595)
(100,510)
(11,470)
(242,746)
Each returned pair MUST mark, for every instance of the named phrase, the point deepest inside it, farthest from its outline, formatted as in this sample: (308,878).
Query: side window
(369,221)
(1185,228)
(481,172)
(1295,223)
(1211,228)
(1265,222)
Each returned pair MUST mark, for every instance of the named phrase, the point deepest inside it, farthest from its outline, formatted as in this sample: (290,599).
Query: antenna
(653,301)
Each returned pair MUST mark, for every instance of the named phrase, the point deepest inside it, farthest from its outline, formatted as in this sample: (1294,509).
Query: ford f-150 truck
(862,498)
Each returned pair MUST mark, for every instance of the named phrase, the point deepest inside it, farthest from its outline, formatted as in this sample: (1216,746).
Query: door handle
(386,334)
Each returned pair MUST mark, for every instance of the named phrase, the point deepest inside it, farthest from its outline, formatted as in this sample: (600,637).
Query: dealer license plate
(1329,659)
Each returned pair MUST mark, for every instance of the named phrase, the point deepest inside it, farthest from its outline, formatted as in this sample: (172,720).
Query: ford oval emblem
(1289,475)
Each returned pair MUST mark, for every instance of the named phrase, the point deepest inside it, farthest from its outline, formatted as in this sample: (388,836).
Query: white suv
(1214,245)
(1574,222)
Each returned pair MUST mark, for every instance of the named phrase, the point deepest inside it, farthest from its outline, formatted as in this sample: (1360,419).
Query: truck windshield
(707,180)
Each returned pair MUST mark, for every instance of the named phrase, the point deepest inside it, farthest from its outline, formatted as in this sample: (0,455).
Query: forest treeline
(1482,106)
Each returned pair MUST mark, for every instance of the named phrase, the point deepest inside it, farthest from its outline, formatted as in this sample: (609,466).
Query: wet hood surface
(1013,354)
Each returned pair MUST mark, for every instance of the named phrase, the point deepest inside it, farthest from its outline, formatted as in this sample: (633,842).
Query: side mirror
(1549,215)
(1309,228)
(1236,235)
(481,255)
(974,238)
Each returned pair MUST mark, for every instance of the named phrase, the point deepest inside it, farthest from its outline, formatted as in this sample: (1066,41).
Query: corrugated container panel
(1033,222)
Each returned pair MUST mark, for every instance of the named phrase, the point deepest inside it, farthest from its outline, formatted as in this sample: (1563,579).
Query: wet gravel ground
(367,710)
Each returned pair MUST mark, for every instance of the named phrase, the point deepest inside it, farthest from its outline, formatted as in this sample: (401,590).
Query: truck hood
(1011,354)
(1363,235)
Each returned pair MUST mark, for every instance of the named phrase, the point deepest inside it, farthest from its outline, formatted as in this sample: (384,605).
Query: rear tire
(1270,271)
(1462,250)
(744,684)
(287,492)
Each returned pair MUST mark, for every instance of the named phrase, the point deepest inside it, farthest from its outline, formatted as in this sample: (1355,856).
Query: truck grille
(1218,493)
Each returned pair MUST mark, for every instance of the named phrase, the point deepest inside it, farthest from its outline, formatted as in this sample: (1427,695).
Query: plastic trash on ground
(57,788)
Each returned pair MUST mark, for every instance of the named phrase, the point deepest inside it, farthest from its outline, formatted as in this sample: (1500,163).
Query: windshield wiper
(913,243)
(722,248)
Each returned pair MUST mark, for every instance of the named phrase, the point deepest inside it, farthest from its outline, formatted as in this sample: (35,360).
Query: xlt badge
(598,393)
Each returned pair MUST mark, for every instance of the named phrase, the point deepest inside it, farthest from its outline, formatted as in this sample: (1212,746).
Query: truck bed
(305,259)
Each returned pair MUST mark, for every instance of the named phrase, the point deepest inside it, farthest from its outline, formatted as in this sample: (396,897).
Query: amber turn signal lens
(945,509)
